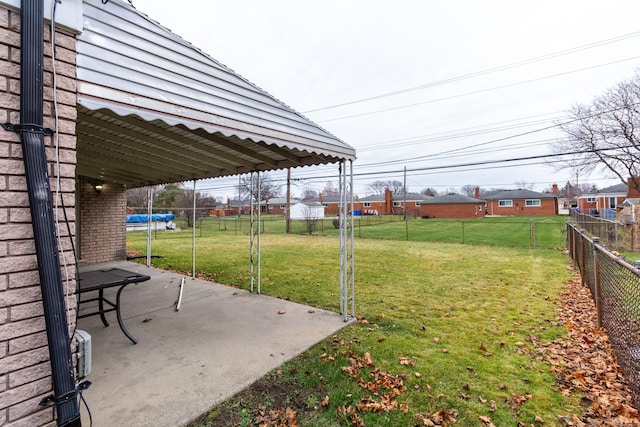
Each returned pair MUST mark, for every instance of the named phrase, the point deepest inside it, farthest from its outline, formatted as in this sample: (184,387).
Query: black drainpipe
(35,162)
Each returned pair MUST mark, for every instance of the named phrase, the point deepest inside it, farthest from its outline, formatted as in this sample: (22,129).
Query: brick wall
(548,207)
(25,373)
(102,219)
(452,210)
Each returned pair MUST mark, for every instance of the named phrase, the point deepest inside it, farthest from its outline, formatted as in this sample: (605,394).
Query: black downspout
(35,162)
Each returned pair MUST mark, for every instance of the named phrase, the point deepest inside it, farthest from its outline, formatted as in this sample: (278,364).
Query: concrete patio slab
(221,340)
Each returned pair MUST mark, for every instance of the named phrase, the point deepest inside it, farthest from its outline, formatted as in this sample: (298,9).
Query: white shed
(307,210)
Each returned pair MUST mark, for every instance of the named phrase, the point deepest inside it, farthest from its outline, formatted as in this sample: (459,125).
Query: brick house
(163,124)
(603,202)
(387,204)
(276,205)
(521,203)
(452,206)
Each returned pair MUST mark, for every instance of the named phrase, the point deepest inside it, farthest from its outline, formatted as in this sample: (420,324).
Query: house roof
(309,203)
(618,188)
(451,199)
(631,201)
(518,194)
(155,109)
(411,197)
(279,201)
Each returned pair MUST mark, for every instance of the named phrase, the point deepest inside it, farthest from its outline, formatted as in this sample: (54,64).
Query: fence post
(462,221)
(596,280)
(532,234)
(581,267)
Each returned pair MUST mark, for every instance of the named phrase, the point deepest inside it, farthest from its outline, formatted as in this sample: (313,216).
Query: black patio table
(99,280)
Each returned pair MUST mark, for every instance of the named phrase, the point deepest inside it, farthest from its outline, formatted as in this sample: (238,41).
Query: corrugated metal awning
(154,109)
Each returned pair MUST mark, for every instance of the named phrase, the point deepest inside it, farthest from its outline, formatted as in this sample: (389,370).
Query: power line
(455,134)
(483,72)
(476,92)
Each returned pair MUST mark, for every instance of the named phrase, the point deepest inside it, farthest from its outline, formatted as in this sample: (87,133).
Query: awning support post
(149,215)
(255,231)
(193,235)
(345,215)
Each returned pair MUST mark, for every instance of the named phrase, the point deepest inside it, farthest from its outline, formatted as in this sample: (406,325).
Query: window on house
(532,202)
(325,204)
(612,202)
(505,203)
(367,204)
(283,206)
(591,199)
(417,203)
(397,204)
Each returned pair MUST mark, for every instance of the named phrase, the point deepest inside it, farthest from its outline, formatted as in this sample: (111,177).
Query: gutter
(35,161)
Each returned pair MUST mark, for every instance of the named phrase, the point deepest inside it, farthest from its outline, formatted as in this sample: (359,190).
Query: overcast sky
(452,82)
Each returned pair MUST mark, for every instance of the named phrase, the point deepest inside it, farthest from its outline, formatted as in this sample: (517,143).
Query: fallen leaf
(407,362)
(281,312)
(325,401)
(486,420)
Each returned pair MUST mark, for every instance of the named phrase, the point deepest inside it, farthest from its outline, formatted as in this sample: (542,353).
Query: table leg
(101,307)
(124,330)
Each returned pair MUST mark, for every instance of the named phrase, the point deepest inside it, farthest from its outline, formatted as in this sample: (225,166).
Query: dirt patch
(268,401)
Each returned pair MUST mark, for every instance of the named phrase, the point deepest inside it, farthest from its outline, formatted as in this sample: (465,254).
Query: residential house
(386,204)
(603,202)
(179,115)
(231,208)
(521,202)
(276,205)
(628,211)
(452,206)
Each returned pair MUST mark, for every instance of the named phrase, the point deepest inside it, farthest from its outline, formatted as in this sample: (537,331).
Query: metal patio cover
(154,109)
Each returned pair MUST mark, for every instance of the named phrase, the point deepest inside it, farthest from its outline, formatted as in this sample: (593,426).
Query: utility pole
(404,189)
(288,205)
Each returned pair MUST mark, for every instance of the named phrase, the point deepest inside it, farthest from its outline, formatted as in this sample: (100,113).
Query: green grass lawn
(467,316)
(541,232)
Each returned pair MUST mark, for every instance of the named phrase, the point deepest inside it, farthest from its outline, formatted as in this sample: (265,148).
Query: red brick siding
(103,222)
(601,202)
(548,207)
(452,210)
(25,372)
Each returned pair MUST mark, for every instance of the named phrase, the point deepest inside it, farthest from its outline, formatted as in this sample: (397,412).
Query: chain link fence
(615,287)
(622,234)
(513,232)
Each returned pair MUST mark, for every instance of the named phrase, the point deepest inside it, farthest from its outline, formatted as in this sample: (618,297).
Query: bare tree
(605,135)
(450,190)
(429,192)
(309,194)
(268,188)
(138,198)
(524,185)
(310,219)
(379,187)
(184,205)
(468,190)
(330,190)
